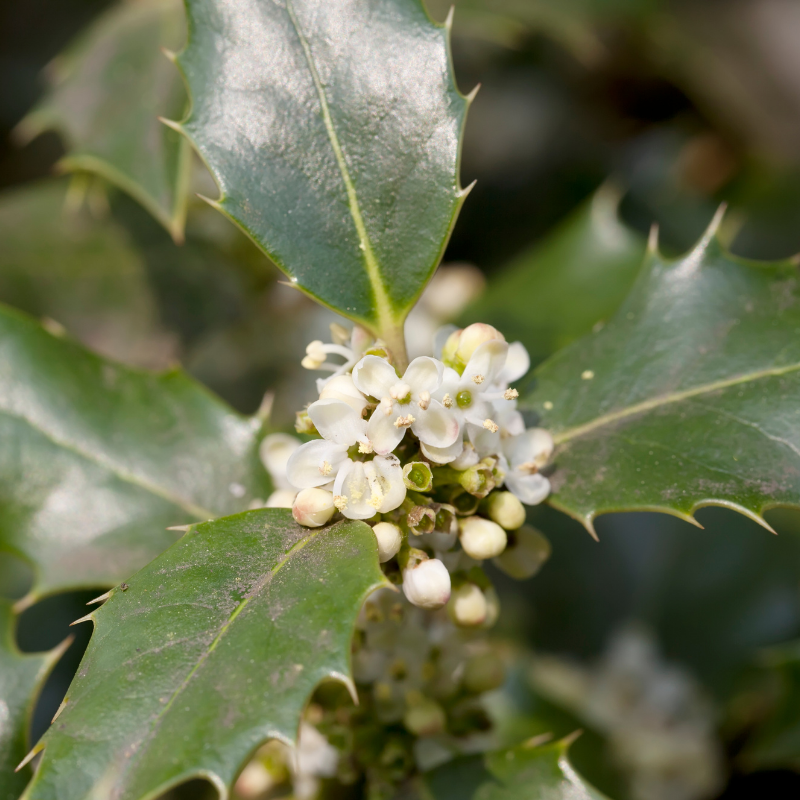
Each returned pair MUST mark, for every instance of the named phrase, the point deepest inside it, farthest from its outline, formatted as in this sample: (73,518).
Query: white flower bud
(427,584)
(481,538)
(281,498)
(492,608)
(525,555)
(506,510)
(342,388)
(483,673)
(460,346)
(389,537)
(313,507)
(467,606)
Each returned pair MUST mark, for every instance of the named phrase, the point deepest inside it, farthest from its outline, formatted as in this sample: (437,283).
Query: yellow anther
(479,379)
(404,422)
(491,426)
(365,447)
(447,401)
(510,394)
(424,400)
(325,468)
(340,501)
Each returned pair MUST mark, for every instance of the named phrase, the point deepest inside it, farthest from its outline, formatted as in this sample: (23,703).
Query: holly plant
(313,610)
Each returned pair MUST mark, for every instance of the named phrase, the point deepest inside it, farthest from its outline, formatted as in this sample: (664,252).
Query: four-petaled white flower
(317,463)
(526,454)
(469,397)
(405,402)
(365,488)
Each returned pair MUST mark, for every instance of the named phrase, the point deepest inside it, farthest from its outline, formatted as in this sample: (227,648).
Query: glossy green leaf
(526,772)
(97,459)
(212,649)
(333,131)
(107,93)
(688,397)
(559,289)
(21,676)
(80,272)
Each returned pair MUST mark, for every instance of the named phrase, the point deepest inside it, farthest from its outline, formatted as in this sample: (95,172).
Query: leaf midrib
(667,399)
(383,305)
(266,578)
(128,477)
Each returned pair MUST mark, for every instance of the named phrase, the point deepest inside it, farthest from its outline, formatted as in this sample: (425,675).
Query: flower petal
(530,489)
(534,446)
(443,455)
(424,374)
(275,451)
(436,425)
(382,431)
(374,376)
(351,483)
(440,337)
(389,475)
(337,421)
(518,362)
(307,468)
(487,361)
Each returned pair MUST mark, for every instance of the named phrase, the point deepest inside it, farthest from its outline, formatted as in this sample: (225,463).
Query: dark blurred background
(595,120)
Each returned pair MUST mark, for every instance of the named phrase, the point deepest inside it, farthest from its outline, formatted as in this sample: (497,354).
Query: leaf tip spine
(82,619)
(183,528)
(652,240)
(265,409)
(60,709)
(171,123)
(588,523)
(462,194)
(213,203)
(28,758)
(448,23)
(170,54)
(101,599)
(348,683)
(473,94)
(716,221)
(570,738)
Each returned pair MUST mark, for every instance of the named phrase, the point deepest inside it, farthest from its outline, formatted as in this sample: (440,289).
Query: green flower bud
(467,607)
(483,673)
(423,716)
(505,509)
(527,550)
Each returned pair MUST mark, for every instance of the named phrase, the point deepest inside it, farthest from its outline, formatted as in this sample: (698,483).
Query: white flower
(364,488)
(527,453)
(342,388)
(469,397)
(317,463)
(405,402)
(518,362)
(275,451)
(349,345)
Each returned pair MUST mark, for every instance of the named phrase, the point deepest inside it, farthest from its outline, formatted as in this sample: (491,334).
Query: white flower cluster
(422,456)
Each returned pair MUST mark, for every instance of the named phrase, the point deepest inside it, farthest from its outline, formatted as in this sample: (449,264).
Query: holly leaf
(559,289)
(209,651)
(520,773)
(21,677)
(107,92)
(97,459)
(334,133)
(687,398)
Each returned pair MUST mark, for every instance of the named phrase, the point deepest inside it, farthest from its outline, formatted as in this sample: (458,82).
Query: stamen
(387,405)
(447,401)
(404,422)
(424,400)
(400,392)
(479,379)
(325,468)
(340,501)
(528,468)
(365,447)
(491,426)
(510,394)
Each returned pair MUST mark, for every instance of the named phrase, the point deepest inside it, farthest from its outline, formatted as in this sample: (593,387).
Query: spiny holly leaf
(559,289)
(97,460)
(333,130)
(687,398)
(212,649)
(21,676)
(108,91)
(527,772)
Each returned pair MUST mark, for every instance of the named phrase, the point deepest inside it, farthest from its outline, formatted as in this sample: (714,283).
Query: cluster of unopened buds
(438,460)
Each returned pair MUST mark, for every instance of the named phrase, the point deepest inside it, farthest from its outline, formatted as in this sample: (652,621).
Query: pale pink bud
(313,507)
(389,537)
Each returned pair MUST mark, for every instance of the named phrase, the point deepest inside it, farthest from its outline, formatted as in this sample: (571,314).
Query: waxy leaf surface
(97,459)
(558,290)
(520,773)
(333,130)
(108,91)
(212,649)
(688,397)
(21,675)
